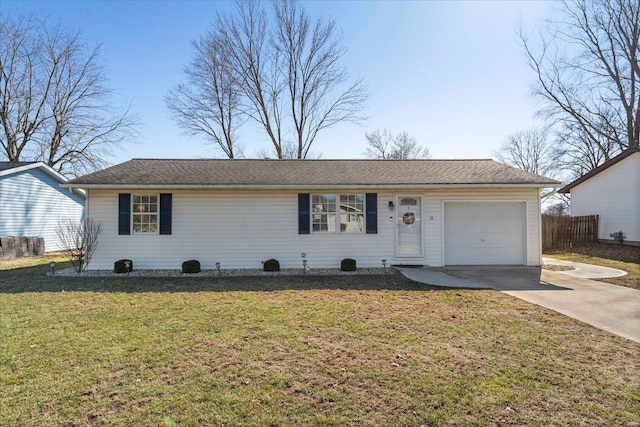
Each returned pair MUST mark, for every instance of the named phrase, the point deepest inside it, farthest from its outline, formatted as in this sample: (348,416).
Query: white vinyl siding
(240,229)
(237,229)
(31,203)
(614,195)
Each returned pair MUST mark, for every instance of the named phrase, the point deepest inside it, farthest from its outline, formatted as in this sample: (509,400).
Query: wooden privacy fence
(561,232)
(20,246)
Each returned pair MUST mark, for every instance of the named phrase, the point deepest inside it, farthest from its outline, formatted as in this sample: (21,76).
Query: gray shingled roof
(12,165)
(307,173)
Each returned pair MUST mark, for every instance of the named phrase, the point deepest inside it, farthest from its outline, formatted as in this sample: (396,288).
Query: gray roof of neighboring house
(606,165)
(201,173)
(12,165)
(11,168)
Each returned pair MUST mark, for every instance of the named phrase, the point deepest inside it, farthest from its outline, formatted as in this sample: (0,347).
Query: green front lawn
(344,350)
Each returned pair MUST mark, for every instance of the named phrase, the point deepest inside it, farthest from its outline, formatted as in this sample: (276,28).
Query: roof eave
(620,157)
(33,165)
(306,186)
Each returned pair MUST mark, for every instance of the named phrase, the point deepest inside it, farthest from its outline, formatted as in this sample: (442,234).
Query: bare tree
(288,151)
(79,240)
(246,32)
(288,70)
(208,104)
(54,103)
(379,144)
(592,92)
(311,53)
(560,208)
(384,145)
(529,150)
(532,150)
(579,152)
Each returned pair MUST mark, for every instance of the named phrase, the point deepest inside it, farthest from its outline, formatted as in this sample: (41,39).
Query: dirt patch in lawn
(557,267)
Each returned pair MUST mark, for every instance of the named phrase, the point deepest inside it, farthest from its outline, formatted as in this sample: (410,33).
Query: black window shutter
(165,213)
(124,213)
(304,213)
(371,210)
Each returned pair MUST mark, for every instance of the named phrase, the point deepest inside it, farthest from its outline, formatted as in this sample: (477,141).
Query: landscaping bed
(617,252)
(222,272)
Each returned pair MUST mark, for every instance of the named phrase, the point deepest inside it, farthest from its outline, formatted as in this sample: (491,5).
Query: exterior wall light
(391,205)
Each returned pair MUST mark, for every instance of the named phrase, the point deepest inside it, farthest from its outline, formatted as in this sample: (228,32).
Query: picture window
(343,213)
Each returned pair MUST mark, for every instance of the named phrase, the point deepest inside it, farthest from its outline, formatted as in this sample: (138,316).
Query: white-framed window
(333,213)
(144,211)
(352,213)
(323,212)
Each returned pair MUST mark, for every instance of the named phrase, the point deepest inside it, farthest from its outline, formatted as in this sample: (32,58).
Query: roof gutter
(303,186)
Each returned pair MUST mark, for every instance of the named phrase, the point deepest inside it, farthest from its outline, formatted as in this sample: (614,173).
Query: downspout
(540,224)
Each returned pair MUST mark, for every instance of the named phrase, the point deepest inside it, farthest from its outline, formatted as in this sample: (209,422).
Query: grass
(343,350)
(626,258)
(631,280)
(36,265)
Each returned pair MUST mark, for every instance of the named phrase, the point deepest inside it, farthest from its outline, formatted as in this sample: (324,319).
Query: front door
(408,227)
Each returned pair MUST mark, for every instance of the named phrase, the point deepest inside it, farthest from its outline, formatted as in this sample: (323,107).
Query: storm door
(409,227)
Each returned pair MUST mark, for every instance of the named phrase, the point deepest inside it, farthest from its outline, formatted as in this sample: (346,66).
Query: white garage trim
(506,236)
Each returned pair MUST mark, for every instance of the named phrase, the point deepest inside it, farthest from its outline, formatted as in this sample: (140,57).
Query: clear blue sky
(450,73)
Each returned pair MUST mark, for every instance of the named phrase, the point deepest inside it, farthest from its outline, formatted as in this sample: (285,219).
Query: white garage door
(484,233)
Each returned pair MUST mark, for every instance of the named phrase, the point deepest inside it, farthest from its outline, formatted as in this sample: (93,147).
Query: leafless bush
(79,239)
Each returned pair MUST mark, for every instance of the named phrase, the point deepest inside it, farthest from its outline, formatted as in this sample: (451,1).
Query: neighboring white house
(611,191)
(159,213)
(32,201)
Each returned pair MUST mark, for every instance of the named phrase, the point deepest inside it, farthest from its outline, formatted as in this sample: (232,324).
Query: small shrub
(120,266)
(271,265)
(348,264)
(191,266)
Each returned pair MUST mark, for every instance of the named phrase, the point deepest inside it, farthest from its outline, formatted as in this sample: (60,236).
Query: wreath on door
(408,218)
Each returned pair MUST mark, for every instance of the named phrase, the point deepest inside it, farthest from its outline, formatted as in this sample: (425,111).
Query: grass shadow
(35,278)
(21,280)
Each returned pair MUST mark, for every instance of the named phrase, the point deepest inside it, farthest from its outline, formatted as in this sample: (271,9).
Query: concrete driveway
(613,308)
